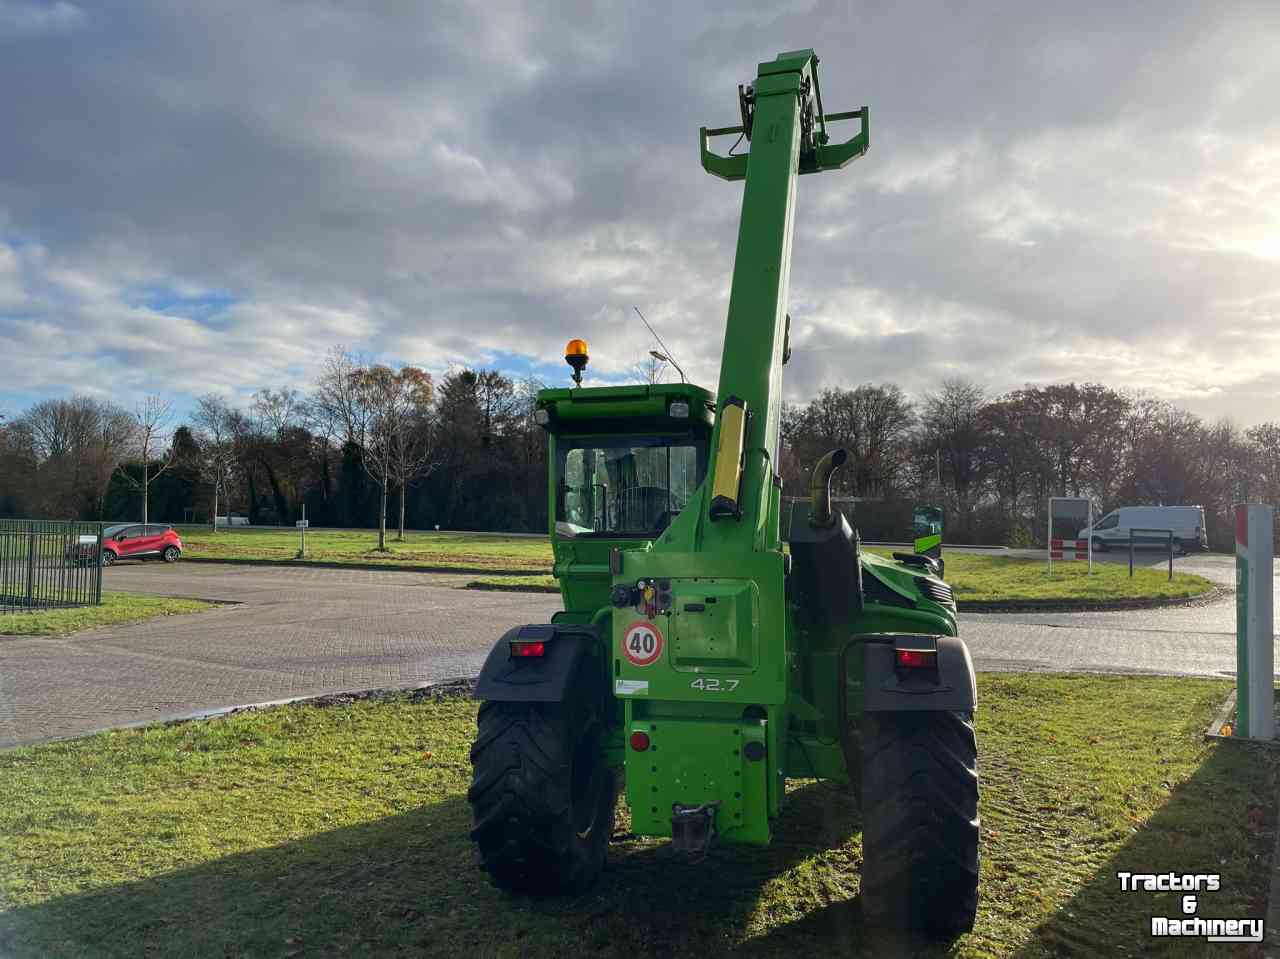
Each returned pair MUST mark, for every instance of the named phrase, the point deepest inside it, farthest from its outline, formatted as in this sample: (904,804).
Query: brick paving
(300,632)
(295,632)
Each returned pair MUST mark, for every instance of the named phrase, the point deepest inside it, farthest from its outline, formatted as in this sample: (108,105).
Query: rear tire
(541,796)
(920,822)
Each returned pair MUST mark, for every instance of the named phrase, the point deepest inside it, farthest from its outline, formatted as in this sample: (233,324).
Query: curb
(1008,606)
(945,546)
(1210,596)
(394,567)
(1215,732)
(1215,728)
(461,687)
(516,588)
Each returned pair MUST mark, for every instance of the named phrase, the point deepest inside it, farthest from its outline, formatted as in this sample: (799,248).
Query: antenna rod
(670,357)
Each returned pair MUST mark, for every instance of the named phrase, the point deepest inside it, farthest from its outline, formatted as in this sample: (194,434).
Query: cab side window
(1109,522)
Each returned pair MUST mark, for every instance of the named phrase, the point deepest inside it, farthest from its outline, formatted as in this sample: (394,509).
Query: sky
(206,197)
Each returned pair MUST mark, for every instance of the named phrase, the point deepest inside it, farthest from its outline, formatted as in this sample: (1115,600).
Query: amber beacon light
(575,354)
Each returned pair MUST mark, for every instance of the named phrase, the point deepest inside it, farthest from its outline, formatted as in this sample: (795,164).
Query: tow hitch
(693,828)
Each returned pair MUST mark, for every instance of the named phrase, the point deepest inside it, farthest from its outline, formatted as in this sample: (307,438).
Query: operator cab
(626,486)
(625,460)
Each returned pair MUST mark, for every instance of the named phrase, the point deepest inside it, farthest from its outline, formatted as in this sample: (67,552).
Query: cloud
(197,199)
(24,20)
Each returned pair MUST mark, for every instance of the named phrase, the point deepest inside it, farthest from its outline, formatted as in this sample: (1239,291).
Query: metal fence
(49,565)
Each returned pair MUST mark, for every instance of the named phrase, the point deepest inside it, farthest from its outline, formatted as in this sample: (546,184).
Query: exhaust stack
(820,515)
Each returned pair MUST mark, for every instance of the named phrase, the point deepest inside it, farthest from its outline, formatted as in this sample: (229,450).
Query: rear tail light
(917,659)
(524,649)
(639,741)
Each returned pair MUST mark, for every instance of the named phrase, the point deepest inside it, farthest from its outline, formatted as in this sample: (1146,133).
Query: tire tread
(920,821)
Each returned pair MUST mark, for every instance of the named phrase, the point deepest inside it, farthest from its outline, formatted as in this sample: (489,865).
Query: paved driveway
(301,631)
(295,632)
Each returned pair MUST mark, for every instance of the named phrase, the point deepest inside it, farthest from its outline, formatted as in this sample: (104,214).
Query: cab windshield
(625,486)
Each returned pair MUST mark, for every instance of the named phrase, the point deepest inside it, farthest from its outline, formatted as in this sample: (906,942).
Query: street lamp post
(666,359)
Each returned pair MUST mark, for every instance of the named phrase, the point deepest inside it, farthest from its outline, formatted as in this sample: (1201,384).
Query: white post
(1255,624)
(1089,527)
(1048,540)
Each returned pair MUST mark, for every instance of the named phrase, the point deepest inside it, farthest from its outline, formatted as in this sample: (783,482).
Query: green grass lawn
(343,831)
(116,608)
(986,579)
(475,552)
(999,578)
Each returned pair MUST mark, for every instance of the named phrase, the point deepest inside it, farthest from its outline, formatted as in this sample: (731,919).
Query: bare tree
(339,398)
(278,410)
(872,421)
(150,444)
(412,448)
(952,436)
(390,401)
(215,434)
(75,445)
(649,370)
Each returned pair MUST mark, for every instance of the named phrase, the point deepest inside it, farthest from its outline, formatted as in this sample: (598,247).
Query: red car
(140,542)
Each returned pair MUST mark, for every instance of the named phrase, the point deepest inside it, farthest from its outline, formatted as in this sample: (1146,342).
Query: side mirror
(927,522)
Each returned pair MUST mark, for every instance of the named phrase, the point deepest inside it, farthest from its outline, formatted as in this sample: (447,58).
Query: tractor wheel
(542,797)
(920,822)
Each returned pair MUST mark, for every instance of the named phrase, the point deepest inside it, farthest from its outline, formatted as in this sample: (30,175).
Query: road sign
(1068,549)
(1067,514)
(642,643)
(302,523)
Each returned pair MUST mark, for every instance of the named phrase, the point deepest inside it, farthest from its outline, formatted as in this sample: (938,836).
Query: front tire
(541,796)
(171,554)
(1099,546)
(920,822)
(108,557)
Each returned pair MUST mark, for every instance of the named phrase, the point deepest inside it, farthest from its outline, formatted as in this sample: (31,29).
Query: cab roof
(625,408)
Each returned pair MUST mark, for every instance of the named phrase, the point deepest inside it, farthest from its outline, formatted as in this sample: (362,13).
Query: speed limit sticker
(642,643)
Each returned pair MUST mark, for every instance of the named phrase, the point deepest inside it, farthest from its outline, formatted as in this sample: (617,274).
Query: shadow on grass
(407,884)
(1220,820)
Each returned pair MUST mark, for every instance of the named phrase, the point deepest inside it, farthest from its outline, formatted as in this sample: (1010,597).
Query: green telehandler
(711,647)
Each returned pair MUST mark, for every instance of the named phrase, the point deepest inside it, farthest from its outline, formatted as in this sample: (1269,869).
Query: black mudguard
(543,679)
(884,689)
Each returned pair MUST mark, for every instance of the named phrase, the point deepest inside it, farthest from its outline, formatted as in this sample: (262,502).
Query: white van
(1187,523)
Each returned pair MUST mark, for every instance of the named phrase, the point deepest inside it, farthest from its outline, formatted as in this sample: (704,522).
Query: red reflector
(519,650)
(917,659)
(639,741)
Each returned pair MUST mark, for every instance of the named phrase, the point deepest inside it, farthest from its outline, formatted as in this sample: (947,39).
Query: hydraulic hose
(820,514)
